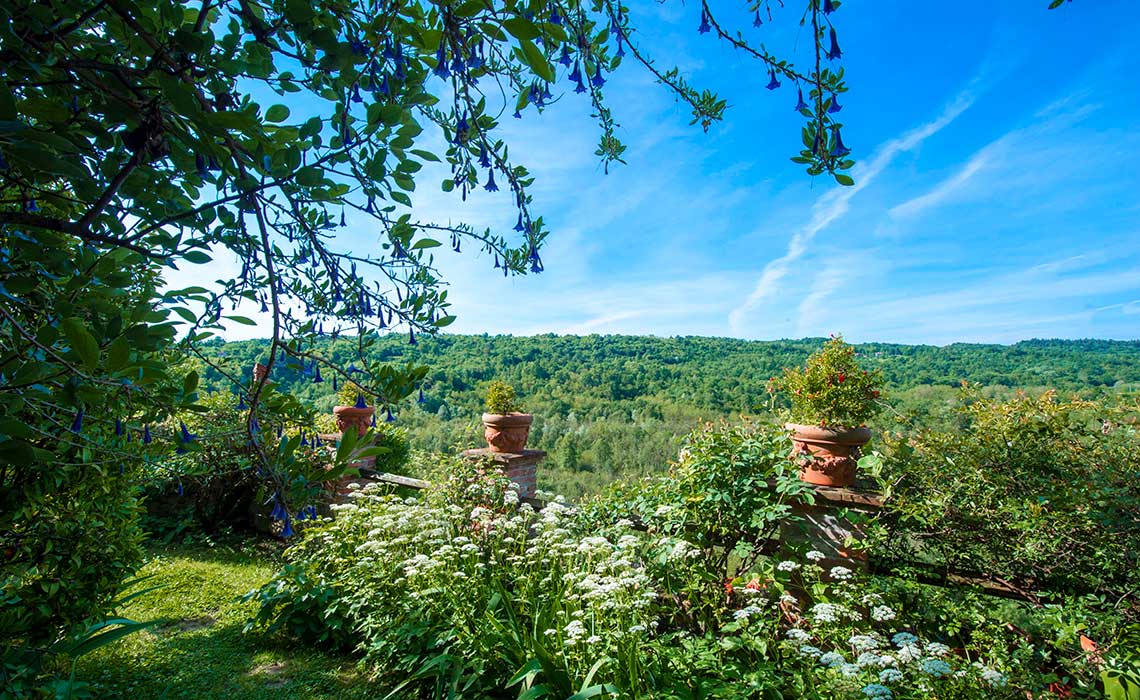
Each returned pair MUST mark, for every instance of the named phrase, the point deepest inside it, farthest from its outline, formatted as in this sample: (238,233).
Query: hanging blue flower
(491,186)
(597,80)
(360,403)
(496,261)
(278,512)
(287,531)
(441,62)
(535,261)
(280,431)
(390,418)
(815,144)
(317,378)
(30,205)
(555,18)
(828,7)
(118,427)
(773,83)
(420,398)
(620,48)
(187,436)
(334,383)
(241,403)
(838,149)
(411,336)
(77,424)
(146,435)
(342,217)
(373,420)
(461,128)
(704,26)
(519,223)
(835,106)
(834,52)
(756,21)
(517,114)
(200,166)
(800,104)
(484,159)
(576,74)
(254,426)
(181,492)
(565,58)
(264,306)
(317,441)
(304,440)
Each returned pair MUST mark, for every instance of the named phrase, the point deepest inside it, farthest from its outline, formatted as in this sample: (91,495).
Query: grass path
(199,652)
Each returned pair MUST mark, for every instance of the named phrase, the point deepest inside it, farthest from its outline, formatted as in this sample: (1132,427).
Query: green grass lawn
(198,651)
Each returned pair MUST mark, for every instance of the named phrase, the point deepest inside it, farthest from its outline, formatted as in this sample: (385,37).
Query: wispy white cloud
(836,202)
(945,190)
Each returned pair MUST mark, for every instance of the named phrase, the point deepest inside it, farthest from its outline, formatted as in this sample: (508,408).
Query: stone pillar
(521,468)
(260,371)
(831,523)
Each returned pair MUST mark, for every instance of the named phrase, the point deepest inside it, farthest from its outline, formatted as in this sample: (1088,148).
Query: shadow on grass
(199,651)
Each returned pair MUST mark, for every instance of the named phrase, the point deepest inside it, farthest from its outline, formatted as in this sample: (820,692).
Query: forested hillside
(607,407)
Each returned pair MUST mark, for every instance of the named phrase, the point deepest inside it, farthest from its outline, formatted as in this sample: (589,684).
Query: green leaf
(844,179)
(426,243)
(537,62)
(197,257)
(242,320)
(277,113)
(521,28)
(82,342)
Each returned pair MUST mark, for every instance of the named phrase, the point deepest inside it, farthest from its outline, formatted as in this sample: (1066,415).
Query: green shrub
(501,398)
(831,388)
(1032,490)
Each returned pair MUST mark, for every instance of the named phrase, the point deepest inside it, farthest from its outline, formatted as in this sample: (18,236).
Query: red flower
(754,585)
(841,377)
(728,586)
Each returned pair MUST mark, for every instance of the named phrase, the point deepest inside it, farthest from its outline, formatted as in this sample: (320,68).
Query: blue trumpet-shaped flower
(491,186)
(287,530)
(373,420)
(461,129)
(187,436)
(441,62)
(77,424)
(360,403)
(356,94)
(254,426)
(564,58)
(834,52)
(838,149)
(280,431)
(420,398)
(774,82)
(146,435)
(389,418)
(555,18)
(241,403)
(620,48)
(704,27)
(535,261)
(411,336)
(800,104)
(484,159)
(597,80)
(317,378)
(517,114)
(278,512)
(30,205)
(304,440)
(834,106)
(334,383)
(828,7)
(756,21)
(519,223)
(119,427)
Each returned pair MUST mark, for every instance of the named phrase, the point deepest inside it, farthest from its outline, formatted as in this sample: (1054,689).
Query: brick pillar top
(260,371)
(521,468)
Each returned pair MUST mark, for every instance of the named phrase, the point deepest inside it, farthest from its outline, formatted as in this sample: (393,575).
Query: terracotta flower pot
(827,456)
(507,433)
(351,416)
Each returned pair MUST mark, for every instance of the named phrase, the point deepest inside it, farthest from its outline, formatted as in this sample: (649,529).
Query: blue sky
(996,196)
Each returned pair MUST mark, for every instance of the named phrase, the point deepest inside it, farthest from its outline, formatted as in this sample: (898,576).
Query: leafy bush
(501,398)
(1033,490)
(831,388)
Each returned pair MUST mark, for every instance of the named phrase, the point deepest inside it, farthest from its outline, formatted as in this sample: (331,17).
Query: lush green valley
(612,407)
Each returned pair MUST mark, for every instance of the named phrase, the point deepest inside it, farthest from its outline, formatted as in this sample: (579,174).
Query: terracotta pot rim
(508,420)
(827,434)
(353,409)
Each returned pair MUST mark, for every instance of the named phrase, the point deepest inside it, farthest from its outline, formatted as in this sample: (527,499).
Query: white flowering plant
(465,583)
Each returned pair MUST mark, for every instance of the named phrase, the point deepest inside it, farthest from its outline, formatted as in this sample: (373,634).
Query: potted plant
(832,398)
(352,410)
(505,427)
